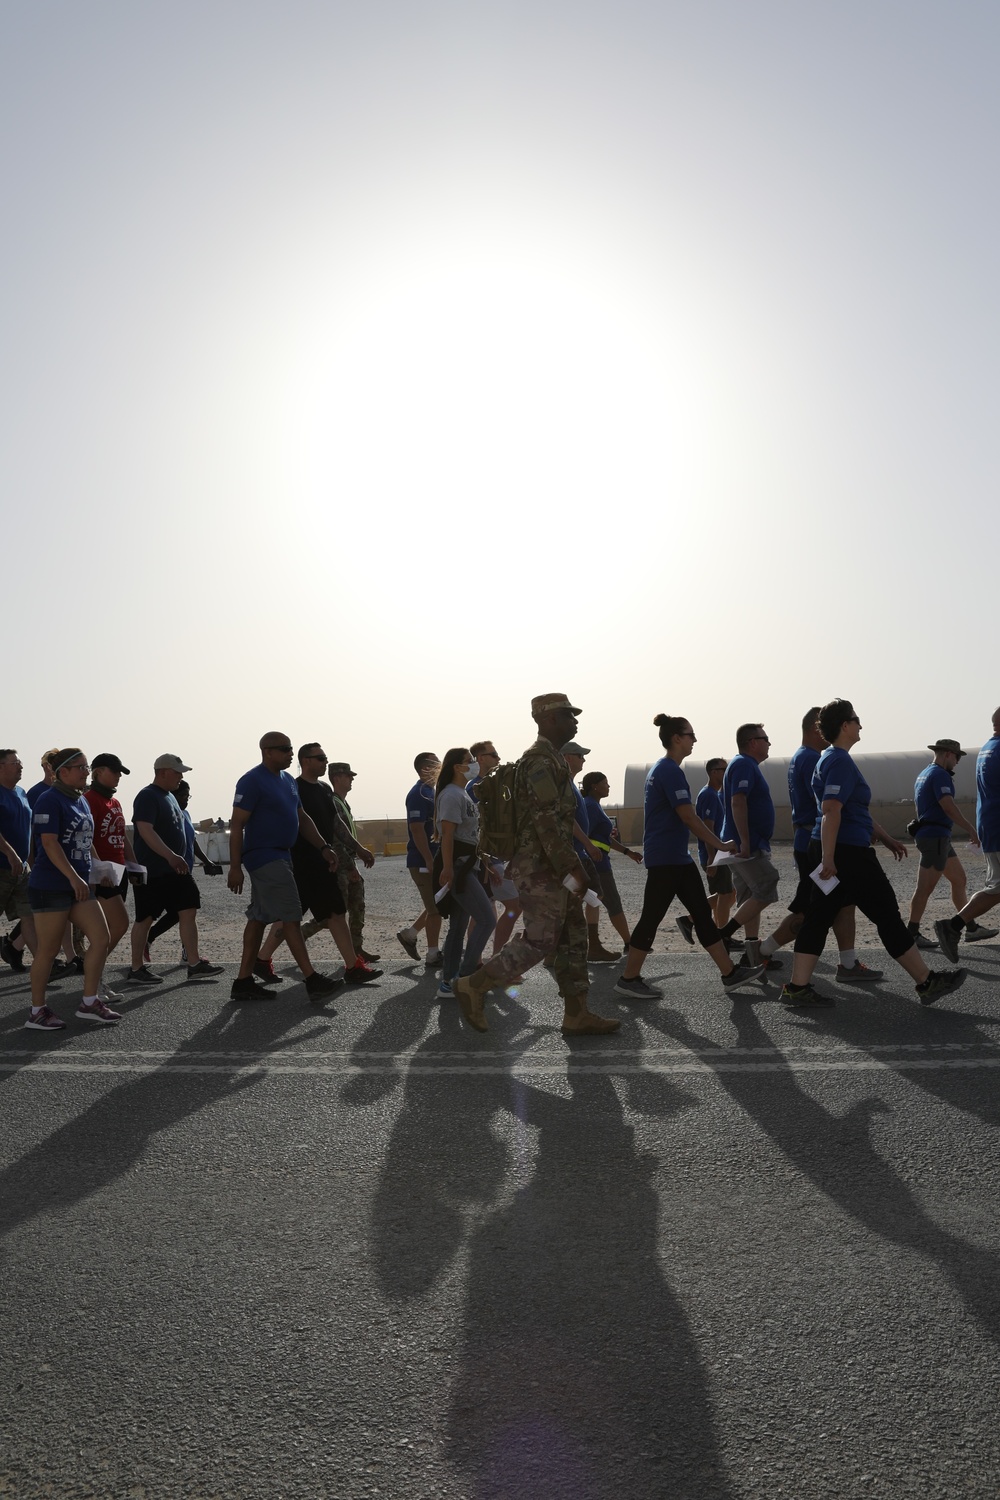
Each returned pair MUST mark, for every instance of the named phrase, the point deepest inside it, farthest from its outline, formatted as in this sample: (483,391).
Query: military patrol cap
(951,745)
(547,703)
(573,748)
(340,768)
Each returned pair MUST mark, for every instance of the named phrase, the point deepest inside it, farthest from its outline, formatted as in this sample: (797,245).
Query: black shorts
(321,894)
(170,892)
(720,881)
(109,892)
(806,861)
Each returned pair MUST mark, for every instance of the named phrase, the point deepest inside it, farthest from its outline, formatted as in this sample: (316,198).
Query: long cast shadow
(839,1157)
(105,1140)
(579,1375)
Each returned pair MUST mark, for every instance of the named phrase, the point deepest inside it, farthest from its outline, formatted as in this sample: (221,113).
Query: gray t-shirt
(454,805)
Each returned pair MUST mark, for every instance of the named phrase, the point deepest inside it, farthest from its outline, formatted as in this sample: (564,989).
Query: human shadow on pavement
(107,1138)
(395,1027)
(579,1376)
(966,1087)
(837,1154)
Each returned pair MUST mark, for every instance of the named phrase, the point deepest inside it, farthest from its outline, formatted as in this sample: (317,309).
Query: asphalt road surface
(731,1252)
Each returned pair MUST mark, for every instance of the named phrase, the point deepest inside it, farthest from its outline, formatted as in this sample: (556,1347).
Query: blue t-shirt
(800,795)
(933,783)
(272,800)
(161,809)
(837,779)
(188,838)
(70,819)
(34,792)
(599,828)
(665,837)
(581,817)
(709,808)
(743,774)
(988,796)
(419,809)
(15,822)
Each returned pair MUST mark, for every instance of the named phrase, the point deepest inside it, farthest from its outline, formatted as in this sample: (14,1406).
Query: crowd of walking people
(490,845)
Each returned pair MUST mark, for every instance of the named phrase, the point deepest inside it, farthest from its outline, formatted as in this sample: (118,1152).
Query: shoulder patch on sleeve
(238,797)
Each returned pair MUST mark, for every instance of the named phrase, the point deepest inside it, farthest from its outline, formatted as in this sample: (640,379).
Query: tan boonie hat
(951,745)
(546,703)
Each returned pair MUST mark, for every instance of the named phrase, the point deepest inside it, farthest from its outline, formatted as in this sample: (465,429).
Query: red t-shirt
(109,826)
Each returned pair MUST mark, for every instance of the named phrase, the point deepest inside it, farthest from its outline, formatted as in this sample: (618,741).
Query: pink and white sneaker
(45,1020)
(97,1012)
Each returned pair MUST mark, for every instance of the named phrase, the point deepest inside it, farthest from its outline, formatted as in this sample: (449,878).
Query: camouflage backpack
(498,812)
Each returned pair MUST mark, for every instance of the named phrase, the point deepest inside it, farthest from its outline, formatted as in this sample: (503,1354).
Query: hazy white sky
(369,369)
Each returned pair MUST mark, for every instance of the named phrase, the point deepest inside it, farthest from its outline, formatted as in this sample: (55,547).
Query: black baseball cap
(112,762)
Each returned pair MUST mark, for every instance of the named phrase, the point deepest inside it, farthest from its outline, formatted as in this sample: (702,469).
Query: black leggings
(663,883)
(863,883)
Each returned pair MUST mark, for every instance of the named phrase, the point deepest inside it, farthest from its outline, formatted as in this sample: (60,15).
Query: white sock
(433,953)
(90,999)
(768,946)
(848,958)
(36,1010)
(410,932)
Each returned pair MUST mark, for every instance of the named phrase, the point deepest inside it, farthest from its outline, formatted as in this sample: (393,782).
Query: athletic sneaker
(948,938)
(685,927)
(264,970)
(637,989)
(75,965)
(430,964)
(369,958)
(977,934)
(923,942)
(250,989)
(60,969)
(408,942)
(109,996)
(11,956)
(318,986)
(941,982)
(97,1012)
(743,973)
(46,1020)
(142,976)
(203,969)
(444,991)
(361,973)
(858,973)
(803,998)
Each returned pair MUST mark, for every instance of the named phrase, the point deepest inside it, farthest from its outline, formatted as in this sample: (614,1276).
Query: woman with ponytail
(59,891)
(670,819)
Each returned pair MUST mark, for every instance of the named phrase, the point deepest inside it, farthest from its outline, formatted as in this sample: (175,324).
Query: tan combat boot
(596,952)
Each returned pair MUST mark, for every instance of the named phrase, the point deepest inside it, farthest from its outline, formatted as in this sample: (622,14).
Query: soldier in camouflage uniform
(553,916)
(351,880)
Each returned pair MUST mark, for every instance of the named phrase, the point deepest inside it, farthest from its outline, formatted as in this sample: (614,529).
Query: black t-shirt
(317,802)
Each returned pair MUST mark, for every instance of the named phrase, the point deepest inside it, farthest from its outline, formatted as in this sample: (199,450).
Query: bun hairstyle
(833,716)
(669,725)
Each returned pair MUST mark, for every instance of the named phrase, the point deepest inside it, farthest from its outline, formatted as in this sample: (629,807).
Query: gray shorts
(274,896)
(992,872)
(756,878)
(14,901)
(934,853)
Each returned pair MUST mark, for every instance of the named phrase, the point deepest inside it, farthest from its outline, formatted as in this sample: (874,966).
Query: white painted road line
(522,1065)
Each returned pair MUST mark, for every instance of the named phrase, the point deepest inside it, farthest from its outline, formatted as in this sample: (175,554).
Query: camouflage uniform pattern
(353,891)
(554,921)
